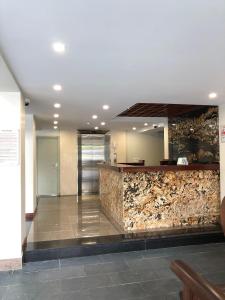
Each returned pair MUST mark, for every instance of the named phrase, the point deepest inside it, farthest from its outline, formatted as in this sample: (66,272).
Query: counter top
(133,169)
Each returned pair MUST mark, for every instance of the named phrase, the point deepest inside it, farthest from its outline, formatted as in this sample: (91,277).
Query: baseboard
(11,264)
(30,216)
(62,195)
(24,246)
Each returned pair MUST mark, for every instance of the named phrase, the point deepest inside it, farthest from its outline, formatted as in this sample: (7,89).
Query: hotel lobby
(112,143)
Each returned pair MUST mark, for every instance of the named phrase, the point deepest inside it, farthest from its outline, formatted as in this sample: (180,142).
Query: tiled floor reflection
(69,217)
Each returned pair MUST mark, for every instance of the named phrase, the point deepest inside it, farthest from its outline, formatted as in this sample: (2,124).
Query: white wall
(30,164)
(12,215)
(166,139)
(222,151)
(118,141)
(12,176)
(148,147)
(132,146)
(68,162)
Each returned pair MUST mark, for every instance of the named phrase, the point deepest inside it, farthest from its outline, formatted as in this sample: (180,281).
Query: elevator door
(92,150)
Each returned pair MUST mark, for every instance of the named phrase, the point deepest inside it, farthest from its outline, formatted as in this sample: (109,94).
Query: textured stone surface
(167,199)
(111,194)
(146,200)
(196,137)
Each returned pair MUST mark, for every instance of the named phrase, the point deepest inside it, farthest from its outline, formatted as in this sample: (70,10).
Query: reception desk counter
(142,198)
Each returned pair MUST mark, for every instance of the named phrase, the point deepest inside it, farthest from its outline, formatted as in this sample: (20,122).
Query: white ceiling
(118,52)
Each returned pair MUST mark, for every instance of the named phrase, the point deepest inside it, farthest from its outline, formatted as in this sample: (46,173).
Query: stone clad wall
(111,194)
(168,199)
(195,136)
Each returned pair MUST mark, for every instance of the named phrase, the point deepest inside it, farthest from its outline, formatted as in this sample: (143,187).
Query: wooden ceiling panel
(160,110)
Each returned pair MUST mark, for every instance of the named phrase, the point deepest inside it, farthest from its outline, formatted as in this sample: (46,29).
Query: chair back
(195,287)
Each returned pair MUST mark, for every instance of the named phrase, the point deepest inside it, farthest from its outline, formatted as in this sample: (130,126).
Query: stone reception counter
(141,198)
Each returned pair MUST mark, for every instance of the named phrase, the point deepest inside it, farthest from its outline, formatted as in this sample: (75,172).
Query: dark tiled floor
(134,275)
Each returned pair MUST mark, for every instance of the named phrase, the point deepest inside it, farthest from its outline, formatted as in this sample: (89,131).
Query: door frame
(58,160)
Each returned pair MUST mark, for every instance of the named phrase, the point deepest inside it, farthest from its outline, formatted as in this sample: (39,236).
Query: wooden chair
(195,287)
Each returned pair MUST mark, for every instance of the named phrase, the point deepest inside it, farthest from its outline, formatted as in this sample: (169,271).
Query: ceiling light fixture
(105,106)
(134,128)
(55,122)
(88,123)
(58,47)
(103,123)
(57,87)
(94,117)
(146,124)
(56,115)
(213,95)
(96,128)
(55,127)
(57,105)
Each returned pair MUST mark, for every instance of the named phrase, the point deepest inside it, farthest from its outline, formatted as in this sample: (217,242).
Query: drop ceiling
(118,52)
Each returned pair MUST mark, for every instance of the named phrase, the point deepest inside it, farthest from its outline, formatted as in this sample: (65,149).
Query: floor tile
(126,291)
(64,217)
(105,268)
(143,275)
(161,286)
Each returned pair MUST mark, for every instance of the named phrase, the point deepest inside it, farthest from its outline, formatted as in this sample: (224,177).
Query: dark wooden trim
(24,245)
(87,131)
(30,216)
(163,168)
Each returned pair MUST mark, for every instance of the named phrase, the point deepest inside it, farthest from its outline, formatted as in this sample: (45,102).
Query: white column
(222,150)
(118,143)
(68,162)
(12,215)
(166,140)
(30,165)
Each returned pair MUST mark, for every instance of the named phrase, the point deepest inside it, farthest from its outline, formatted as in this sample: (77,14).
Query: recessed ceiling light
(57,87)
(213,95)
(134,128)
(88,123)
(105,106)
(173,124)
(103,123)
(55,127)
(94,117)
(56,115)
(57,105)
(55,122)
(58,47)
(146,124)
(96,128)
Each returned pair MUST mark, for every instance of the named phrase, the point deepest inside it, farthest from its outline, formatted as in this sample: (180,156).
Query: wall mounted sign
(9,147)
(223,134)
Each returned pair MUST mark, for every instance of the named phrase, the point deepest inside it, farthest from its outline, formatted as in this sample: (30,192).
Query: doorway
(48,166)
(92,150)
